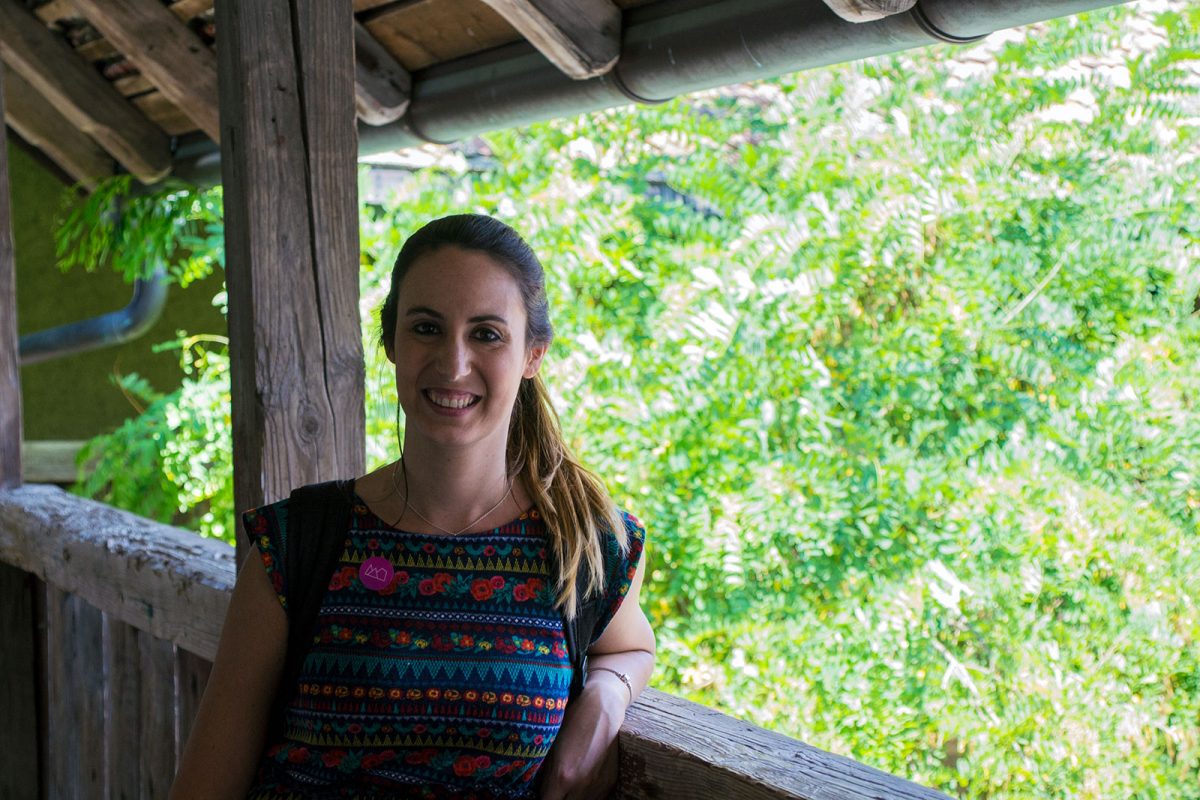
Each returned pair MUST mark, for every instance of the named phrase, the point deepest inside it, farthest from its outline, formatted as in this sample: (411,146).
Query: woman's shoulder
(633,529)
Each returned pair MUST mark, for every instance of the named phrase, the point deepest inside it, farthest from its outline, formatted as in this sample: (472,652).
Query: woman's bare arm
(227,736)
(582,763)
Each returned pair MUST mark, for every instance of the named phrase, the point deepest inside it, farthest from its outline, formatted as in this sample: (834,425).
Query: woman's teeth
(451,400)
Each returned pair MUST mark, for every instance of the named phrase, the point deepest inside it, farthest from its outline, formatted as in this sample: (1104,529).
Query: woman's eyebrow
(429,312)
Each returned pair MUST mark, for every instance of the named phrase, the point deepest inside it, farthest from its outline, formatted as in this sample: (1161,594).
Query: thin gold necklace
(409,506)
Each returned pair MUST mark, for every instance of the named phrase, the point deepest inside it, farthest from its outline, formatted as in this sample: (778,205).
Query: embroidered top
(438,667)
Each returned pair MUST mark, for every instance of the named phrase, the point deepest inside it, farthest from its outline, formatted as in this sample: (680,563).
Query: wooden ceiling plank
(868,10)
(165,114)
(49,131)
(133,84)
(190,9)
(80,94)
(368,5)
(55,10)
(382,86)
(165,51)
(580,37)
(424,32)
(96,49)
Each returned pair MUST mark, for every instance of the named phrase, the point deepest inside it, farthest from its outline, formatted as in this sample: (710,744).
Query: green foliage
(174,461)
(176,225)
(898,361)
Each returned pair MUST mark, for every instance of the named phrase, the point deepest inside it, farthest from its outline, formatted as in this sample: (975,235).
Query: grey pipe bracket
(613,76)
(926,24)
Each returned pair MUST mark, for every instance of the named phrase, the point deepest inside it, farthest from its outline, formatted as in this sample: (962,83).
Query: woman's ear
(533,360)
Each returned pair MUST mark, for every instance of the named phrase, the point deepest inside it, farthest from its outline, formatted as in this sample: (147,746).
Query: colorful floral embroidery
(449,681)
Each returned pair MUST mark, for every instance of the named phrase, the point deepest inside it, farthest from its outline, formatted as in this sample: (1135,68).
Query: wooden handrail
(176,586)
(169,582)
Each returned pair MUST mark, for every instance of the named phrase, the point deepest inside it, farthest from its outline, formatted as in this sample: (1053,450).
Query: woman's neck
(451,488)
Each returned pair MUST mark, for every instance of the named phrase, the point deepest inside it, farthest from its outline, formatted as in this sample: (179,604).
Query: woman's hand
(582,765)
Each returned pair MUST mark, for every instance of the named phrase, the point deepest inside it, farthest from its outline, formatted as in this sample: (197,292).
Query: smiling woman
(439,663)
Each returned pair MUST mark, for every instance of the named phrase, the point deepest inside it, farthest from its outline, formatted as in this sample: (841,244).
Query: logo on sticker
(376,572)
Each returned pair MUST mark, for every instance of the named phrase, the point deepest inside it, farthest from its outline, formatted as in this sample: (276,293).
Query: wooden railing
(124,615)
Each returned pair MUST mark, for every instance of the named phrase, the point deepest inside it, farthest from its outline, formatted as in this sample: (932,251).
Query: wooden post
(19,768)
(10,366)
(288,163)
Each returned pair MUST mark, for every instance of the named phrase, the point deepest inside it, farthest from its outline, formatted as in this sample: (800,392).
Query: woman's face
(459,349)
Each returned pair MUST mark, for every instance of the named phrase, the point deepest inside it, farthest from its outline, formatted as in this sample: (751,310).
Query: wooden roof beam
(40,124)
(868,10)
(167,53)
(382,87)
(80,94)
(580,37)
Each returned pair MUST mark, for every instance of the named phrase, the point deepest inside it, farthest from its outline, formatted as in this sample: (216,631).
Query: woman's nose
(454,360)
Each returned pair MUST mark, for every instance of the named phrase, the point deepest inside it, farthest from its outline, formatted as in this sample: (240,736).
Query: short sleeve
(266,527)
(622,568)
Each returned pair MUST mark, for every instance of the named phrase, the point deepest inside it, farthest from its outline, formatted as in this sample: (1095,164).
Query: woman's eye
(424,329)
(488,335)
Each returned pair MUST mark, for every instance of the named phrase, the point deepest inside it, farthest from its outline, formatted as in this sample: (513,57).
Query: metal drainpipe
(668,48)
(115,327)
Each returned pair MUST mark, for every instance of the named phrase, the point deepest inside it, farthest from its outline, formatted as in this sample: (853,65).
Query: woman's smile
(451,400)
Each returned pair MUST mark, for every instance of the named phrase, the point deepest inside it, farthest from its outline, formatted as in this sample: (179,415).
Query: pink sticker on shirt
(376,573)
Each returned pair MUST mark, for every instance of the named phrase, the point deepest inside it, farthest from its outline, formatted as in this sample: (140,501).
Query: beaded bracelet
(624,678)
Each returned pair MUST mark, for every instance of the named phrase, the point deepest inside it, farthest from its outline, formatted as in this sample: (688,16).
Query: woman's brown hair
(572,501)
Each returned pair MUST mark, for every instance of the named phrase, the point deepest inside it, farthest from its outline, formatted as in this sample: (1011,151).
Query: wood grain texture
(426,32)
(580,37)
(75,689)
(163,580)
(673,748)
(51,461)
(382,87)
(165,51)
(868,10)
(40,124)
(156,749)
(191,676)
(10,363)
(56,10)
(123,701)
(19,734)
(288,161)
(166,115)
(80,94)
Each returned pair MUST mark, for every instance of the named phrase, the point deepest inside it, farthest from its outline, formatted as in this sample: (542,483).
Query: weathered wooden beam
(169,582)
(166,52)
(156,750)
(382,87)
(52,461)
(191,677)
(288,165)
(80,94)
(19,735)
(75,696)
(10,362)
(580,37)
(123,714)
(674,749)
(55,10)
(868,10)
(40,124)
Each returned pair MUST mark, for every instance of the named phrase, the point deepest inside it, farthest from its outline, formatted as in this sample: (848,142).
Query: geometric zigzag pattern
(449,681)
